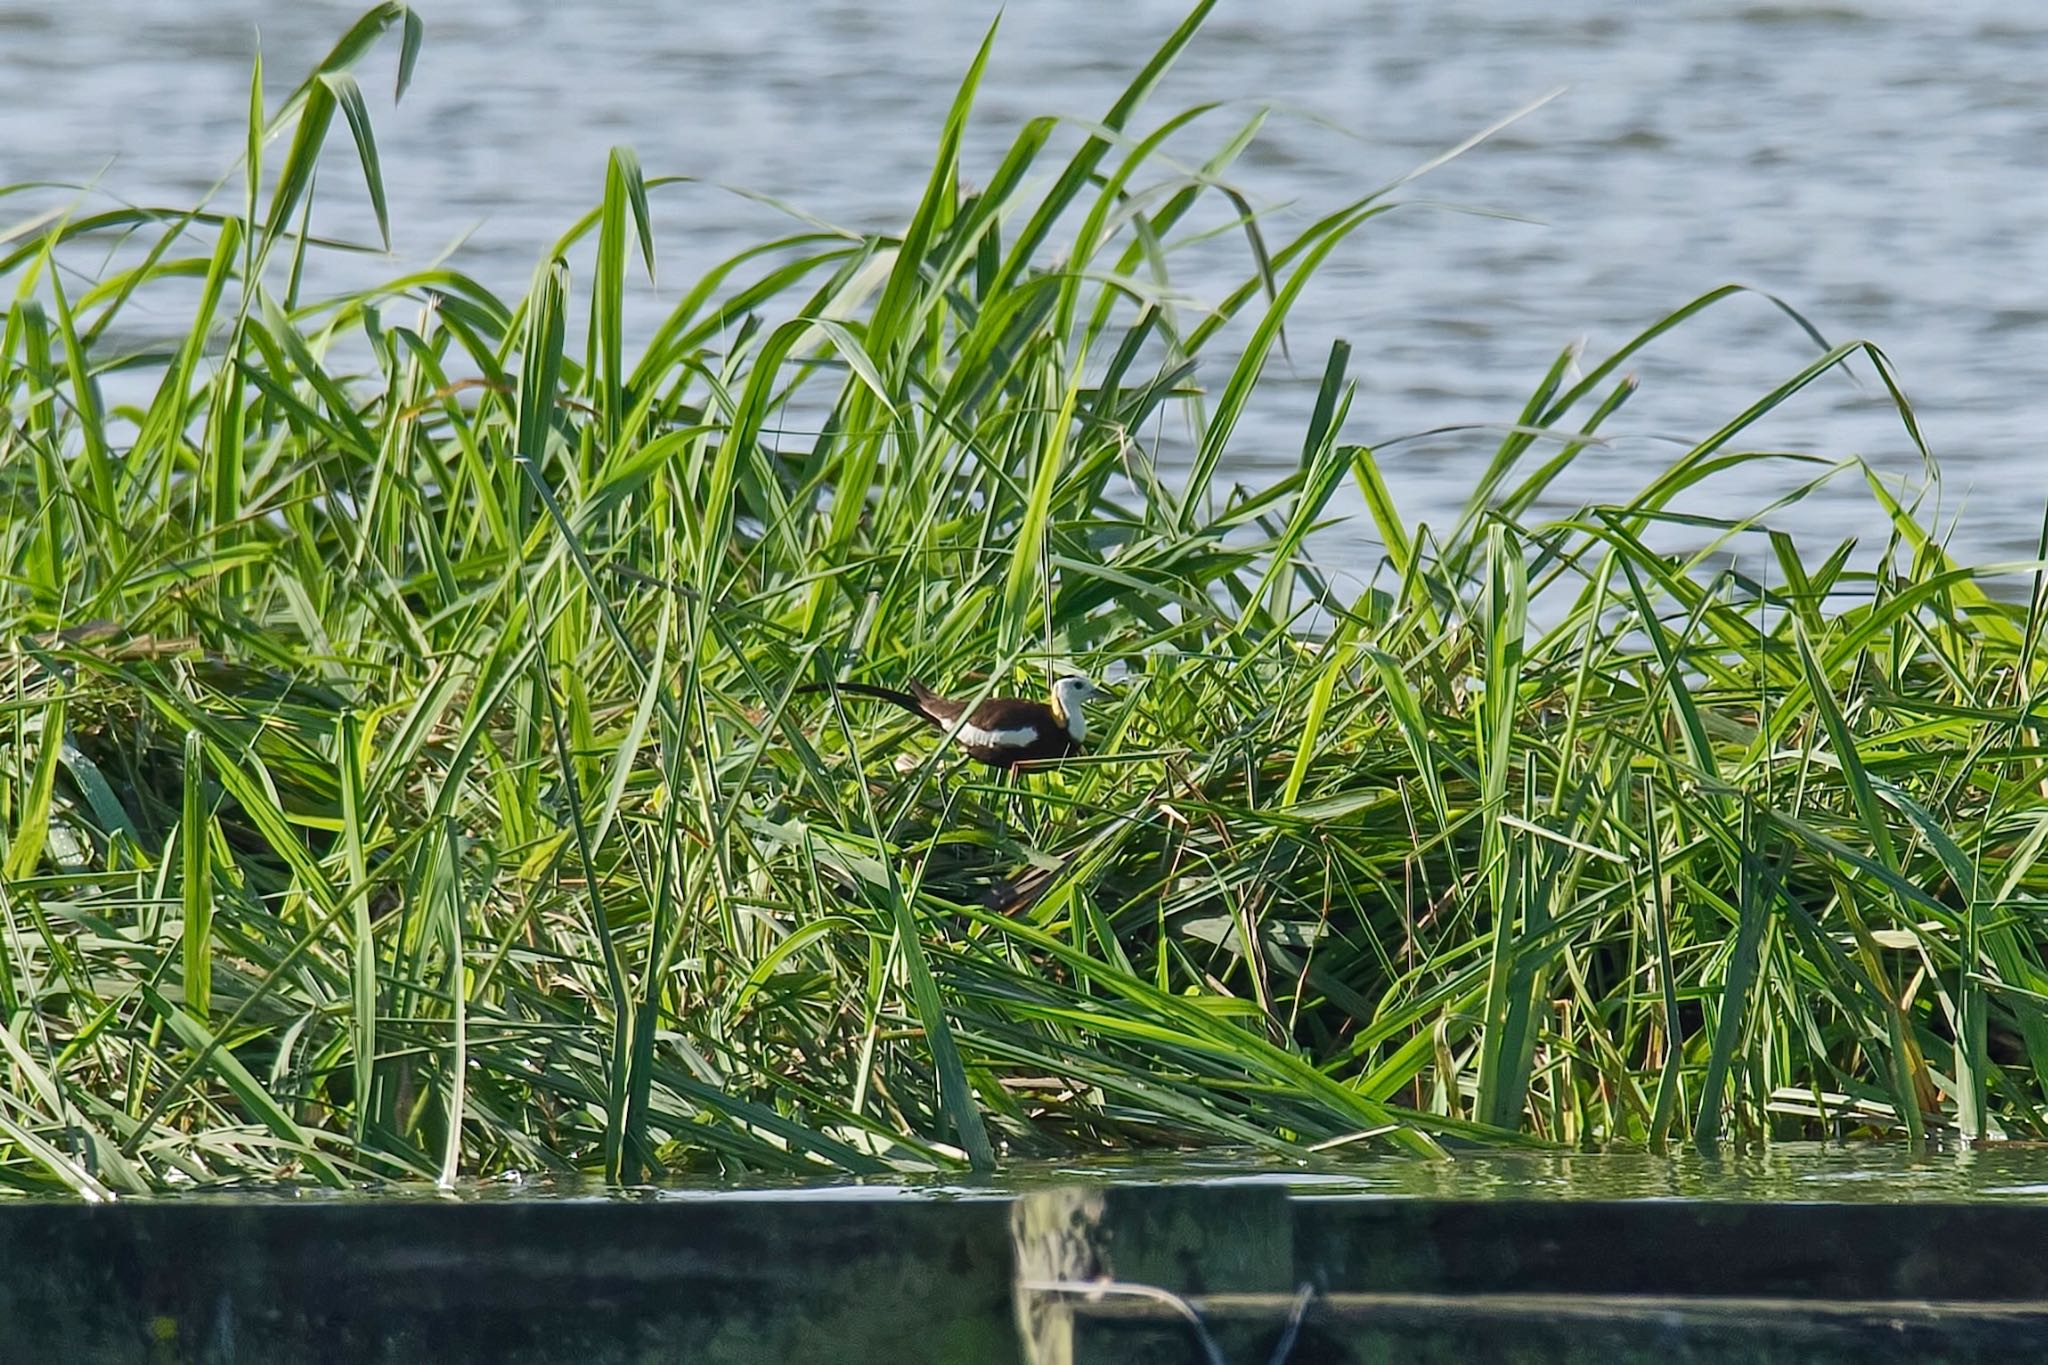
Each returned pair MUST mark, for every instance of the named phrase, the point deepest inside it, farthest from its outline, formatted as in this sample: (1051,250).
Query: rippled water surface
(1793,1171)
(1797,1172)
(1876,163)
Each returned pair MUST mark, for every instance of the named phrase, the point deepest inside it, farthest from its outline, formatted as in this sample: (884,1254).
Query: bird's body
(1001,731)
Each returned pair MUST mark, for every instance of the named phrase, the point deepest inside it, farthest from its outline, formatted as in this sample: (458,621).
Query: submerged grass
(404,781)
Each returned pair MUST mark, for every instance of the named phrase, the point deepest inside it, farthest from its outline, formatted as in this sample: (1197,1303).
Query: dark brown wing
(1015,713)
(1033,734)
(1029,730)
(993,713)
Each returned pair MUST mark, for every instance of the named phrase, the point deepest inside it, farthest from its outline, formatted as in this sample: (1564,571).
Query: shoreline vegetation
(405,780)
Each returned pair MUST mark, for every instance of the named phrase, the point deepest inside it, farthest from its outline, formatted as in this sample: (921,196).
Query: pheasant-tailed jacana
(1001,731)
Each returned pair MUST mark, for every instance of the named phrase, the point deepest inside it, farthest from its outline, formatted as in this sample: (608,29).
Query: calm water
(1795,1172)
(1878,163)
(1788,1172)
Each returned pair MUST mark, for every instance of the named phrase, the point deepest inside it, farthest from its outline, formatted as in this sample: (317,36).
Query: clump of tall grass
(404,778)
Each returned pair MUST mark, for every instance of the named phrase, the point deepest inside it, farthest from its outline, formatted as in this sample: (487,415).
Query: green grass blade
(195,846)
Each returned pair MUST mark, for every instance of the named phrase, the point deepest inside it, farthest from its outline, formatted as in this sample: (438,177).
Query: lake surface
(1878,164)
(1785,1172)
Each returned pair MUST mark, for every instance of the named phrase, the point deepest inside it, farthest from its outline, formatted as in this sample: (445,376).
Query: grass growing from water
(403,779)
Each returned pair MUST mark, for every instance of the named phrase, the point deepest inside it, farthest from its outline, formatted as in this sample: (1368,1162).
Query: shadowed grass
(403,779)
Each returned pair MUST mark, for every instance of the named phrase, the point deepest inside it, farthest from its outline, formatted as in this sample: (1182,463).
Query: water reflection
(1792,1172)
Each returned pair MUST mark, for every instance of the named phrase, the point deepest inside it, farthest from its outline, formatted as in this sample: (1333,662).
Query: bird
(1002,731)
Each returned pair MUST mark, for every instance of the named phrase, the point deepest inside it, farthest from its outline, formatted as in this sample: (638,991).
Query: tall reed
(405,781)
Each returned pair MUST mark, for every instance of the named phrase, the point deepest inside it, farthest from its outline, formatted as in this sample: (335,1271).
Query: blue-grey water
(1877,163)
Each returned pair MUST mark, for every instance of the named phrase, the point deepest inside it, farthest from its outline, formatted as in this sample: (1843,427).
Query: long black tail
(912,701)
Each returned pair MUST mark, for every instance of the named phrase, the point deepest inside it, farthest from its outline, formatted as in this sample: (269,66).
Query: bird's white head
(1069,694)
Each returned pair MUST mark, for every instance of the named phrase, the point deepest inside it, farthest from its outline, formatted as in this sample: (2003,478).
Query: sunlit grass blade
(195,844)
(443,685)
